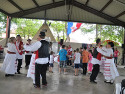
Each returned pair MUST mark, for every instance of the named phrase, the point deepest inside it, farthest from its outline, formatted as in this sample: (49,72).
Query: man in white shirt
(28,54)
(42,48)
(19,44)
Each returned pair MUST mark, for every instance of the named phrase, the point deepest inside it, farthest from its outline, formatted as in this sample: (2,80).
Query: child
(10,59)
(90,65)
(77,58)
(51,61)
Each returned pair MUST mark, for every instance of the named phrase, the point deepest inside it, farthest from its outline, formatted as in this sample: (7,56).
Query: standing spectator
(28,54)
(116,55)
(62,58)
(85,59)
(81,50)
(69,51)
(89,63)
(77,57)
(51,61)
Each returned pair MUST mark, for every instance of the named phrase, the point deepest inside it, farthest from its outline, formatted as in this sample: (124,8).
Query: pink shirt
(90,57)
(116,53)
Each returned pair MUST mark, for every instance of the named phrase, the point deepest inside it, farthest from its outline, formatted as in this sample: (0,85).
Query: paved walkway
(57,84)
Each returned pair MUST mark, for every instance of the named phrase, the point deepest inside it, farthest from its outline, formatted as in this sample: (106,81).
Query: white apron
(31,70)
(110,70)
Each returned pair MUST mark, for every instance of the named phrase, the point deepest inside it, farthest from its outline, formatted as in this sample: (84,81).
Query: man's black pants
(84,68)
(27,60)
(40,69)
(19,65)
(95,71)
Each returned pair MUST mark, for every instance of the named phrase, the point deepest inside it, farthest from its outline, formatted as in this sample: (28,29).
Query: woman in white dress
(9,64)
(110,70)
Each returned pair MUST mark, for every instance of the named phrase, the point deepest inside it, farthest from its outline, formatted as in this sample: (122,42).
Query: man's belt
(108,57)
(11,52)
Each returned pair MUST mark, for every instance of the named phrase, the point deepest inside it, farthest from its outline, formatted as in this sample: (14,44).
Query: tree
(58,29)
(3,20)
(105,32)
(27,27)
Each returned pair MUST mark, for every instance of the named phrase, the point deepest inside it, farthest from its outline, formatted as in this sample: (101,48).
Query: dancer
(51,61)
(10,59)
(85,59)
(90,65)
(42,48)
(96,62)
(77,57)
(28,54)
(62,59)
(110,70)
(19,45)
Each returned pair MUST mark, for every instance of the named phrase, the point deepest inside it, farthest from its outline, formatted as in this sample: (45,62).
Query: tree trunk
(96,31)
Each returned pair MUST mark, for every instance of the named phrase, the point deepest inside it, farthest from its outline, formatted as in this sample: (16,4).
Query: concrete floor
(57,84)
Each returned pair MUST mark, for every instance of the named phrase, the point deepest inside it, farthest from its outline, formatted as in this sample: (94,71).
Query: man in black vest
(42,53)
(96,62)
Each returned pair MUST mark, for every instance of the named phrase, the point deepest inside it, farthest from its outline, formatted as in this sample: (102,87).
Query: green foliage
(86,28)
(3,20)
(105,32)
(114,33)
(58,29)
(27,27)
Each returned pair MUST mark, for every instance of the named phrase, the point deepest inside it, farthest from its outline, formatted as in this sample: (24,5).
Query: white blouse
(12,47)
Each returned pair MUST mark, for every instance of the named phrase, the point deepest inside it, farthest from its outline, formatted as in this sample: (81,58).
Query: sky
(80,37)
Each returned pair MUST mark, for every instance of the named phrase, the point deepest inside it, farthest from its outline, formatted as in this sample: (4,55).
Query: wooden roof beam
(98,13)
(34,1)
(4,12)
(87,2)
(14,4)
(119,15)
(41,8)
(106,5)
(53,1)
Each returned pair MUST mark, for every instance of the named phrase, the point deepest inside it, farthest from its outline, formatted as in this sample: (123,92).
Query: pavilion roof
(88,11)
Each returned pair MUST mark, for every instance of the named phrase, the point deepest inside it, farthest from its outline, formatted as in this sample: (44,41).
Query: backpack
(122,86)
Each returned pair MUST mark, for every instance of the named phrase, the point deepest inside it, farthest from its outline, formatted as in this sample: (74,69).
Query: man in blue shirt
(62,58)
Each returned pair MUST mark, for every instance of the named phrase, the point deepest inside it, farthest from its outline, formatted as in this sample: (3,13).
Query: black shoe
(93,82)
(7,75)
(18,72)
(11,74)
(36,86)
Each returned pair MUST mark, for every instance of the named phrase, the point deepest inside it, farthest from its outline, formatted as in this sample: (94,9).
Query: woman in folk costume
(110,70)
(9,66)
